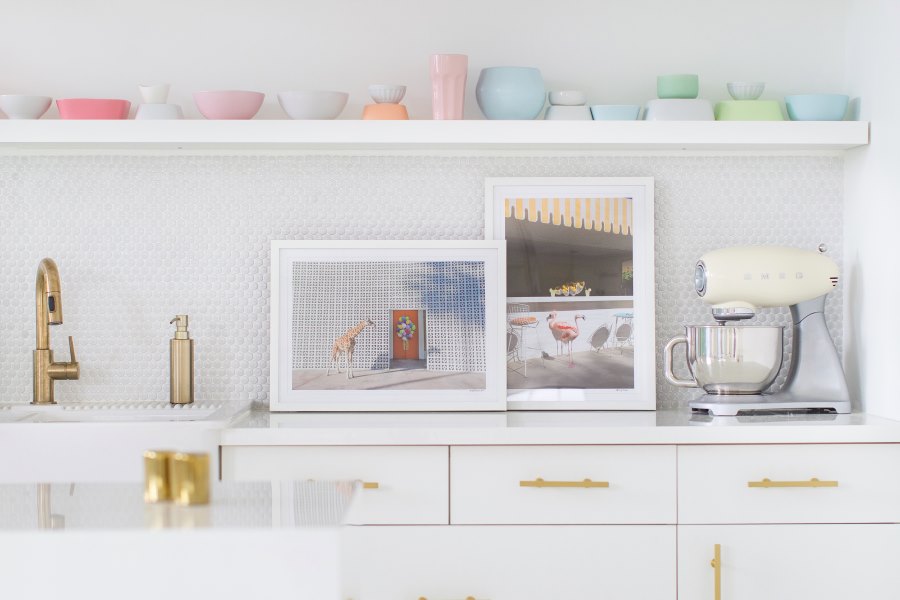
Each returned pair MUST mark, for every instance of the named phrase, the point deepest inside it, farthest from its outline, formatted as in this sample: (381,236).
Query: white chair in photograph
(519,323)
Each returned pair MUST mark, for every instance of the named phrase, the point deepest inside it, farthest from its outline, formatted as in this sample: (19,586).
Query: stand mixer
(735,364)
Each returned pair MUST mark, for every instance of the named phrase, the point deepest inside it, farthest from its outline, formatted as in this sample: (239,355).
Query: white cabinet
(405,485)
(633,562)
(790,562)
(485,514)
(800,483)
(562,484)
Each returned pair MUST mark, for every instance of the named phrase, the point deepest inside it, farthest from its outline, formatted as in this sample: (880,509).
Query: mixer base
(730,406)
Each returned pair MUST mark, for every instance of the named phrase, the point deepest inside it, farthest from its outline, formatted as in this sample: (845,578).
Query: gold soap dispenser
(181,363)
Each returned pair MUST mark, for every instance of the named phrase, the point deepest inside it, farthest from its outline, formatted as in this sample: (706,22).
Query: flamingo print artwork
(564,333)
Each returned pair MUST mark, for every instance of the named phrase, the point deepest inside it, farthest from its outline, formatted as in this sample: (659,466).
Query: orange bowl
(93,108)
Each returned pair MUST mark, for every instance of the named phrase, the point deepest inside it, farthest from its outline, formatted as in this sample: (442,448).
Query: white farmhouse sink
(117,412)
(104,441)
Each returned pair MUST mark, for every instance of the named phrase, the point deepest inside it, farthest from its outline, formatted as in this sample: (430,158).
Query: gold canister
(156,475)
(189,478)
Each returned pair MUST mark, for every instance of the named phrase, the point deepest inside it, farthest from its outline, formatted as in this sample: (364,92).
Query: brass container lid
(189,478)
(156,475)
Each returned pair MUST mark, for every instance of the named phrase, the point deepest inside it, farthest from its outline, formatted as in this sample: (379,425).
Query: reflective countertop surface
(121,506)
(554,427)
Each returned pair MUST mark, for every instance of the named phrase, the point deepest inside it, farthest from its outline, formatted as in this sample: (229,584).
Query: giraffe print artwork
(340,316)
(343,346)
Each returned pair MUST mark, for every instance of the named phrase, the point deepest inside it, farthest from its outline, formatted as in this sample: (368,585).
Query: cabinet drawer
(508,562)
(542,484)
(412,480)
(857,483)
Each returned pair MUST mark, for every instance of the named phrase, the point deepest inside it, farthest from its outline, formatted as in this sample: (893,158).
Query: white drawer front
(858,483)
(593,562)
(499,484)
(412,480)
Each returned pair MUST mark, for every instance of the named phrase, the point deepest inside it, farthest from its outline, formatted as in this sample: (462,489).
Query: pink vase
(448,85)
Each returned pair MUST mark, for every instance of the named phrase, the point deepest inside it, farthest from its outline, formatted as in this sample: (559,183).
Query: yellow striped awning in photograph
(610,215)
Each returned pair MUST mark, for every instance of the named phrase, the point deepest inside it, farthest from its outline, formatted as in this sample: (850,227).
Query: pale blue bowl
(510,92)
(816,107)
(615,112)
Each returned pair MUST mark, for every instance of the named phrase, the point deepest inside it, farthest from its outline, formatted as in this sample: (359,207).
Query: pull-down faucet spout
(48,311)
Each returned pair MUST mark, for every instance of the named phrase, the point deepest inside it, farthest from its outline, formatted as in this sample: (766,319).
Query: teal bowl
(615,112)
(816,107)
(510,93)
(678,86)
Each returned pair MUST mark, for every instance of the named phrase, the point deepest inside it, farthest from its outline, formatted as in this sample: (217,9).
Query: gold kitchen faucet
(48,310)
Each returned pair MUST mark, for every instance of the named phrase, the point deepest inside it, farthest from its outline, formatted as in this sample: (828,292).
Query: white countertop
(260,428)
(100,540)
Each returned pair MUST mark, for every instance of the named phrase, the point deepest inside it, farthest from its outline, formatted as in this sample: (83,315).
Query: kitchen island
(100,540)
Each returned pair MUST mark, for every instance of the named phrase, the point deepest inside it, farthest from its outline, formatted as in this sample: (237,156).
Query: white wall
(611,48)
(872,209)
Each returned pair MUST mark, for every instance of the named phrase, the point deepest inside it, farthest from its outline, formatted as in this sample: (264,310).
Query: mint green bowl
(678,86)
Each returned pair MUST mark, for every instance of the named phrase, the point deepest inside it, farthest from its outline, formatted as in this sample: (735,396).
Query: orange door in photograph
(410,349)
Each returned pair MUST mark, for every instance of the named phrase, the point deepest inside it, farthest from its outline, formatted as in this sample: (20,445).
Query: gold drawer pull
(366,485)
(587,483)
(812,483)
(716,564)
(467,598)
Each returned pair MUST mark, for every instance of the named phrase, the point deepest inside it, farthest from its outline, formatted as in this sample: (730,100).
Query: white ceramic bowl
(385,93)
(679,109)
(746,90)
(158,112)
(567,98)
(557,112)
(313,104)
(20,106)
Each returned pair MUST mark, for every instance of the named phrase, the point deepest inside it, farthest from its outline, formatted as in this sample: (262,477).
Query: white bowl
(567,98)
(21,106)
(559,112)
(384,93)
(152,111)
(679,109)
(313,104)
(746,90)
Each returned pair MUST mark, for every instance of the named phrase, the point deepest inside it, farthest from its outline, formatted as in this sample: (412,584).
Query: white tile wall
(141,238)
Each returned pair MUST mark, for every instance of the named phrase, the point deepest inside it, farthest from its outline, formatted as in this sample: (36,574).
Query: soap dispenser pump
(181,363)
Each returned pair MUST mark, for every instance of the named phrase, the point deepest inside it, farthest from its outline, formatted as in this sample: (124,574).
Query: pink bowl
(228,104)
(93,108)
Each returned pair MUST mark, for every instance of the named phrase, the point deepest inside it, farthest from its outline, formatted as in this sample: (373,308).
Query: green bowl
(678,86)
(748,110)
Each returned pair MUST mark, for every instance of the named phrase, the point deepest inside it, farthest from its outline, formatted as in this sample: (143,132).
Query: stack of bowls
(567,105)
(677,100)
(745,105)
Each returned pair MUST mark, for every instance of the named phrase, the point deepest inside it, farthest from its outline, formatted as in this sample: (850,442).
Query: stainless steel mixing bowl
(728,359)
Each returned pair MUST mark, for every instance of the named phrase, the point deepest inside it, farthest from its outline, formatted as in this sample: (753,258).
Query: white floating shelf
(387,136)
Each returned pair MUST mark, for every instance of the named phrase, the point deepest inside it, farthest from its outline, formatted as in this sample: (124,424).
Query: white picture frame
(453,291)
(542,221)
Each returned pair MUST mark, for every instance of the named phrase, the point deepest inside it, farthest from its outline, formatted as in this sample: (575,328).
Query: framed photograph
(387,326)
(579,278)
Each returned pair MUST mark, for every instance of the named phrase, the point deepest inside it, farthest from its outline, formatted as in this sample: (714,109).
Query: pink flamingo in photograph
(564,333)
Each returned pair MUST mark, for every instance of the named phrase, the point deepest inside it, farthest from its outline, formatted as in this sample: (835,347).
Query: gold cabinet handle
(466,598)
(812,483)
(716,564)
(366,485)
(586,483)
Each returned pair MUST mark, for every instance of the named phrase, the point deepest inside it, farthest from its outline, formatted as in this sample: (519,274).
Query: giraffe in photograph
(344,345)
